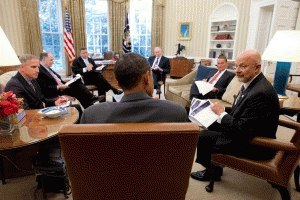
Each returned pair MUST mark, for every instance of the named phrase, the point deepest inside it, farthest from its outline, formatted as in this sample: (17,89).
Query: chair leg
(284,192)
(296,178)
(43,187)
(210,186)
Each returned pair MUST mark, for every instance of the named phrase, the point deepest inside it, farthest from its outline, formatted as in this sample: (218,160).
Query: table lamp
(284,48)
(8,56)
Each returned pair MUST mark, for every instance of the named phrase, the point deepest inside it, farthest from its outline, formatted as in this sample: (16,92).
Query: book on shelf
(201,113)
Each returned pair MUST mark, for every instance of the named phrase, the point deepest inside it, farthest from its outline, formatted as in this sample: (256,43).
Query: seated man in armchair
(220,79)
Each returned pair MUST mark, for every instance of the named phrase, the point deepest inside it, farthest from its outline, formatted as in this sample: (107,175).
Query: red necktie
(58,81)
(214,77)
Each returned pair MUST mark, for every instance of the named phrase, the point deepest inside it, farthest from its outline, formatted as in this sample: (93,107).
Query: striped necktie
(239,97)
(58,81)
(214,77)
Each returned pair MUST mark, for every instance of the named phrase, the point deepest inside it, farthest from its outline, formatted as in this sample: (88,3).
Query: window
(96,12)
(52,31)
(140,26)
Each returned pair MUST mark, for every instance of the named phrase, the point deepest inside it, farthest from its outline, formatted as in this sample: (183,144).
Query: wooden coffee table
(34,129)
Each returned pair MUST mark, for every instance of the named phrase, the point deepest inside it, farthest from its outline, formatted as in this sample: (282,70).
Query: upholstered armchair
(178,90)
(277,171)
(129,160)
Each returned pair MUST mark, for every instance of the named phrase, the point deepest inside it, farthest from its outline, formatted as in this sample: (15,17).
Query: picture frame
(184,31)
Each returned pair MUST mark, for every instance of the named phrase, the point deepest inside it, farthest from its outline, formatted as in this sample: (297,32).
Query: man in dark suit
(24,85)
(219,79)
(255,112)
(53,86)
(137,105)
(160,66)
(86,67)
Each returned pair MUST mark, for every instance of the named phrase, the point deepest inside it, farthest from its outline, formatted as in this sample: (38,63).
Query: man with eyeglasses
(255,112)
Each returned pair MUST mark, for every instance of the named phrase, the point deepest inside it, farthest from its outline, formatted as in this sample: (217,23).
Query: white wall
(199,13)
(12,24)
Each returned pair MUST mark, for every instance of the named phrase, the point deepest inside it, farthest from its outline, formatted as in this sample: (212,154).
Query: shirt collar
(249,82)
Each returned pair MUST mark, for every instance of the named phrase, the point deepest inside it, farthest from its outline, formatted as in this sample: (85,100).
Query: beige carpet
(234,185)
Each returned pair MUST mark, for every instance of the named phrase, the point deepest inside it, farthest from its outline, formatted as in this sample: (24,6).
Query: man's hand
(62,87)
(61,101)
(89,67)
(215,89)
(217,108)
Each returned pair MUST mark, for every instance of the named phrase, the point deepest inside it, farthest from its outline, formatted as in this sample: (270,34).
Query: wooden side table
(181,66)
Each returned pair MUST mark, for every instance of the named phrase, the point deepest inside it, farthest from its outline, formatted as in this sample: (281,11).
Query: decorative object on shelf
(230,55)
(232,27)
(223,37)
(9,106)
(215,28)
(228,45)
(225,27)
(284,48)
(218,45)
(184,31)
(180,48)
(212,54)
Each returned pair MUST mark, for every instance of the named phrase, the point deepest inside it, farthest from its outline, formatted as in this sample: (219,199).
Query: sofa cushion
(232,89)
(203,71)
(180,89)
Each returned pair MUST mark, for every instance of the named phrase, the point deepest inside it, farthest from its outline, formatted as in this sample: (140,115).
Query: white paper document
(100,68)
(201,114)
(77,77)
(204,87)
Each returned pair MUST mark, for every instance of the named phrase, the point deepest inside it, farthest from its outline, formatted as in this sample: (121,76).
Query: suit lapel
(28,87)
(245,95)
(45,71)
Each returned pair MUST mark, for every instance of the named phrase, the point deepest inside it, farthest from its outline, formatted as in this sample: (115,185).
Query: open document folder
(77,77)
(204,87)
(201,114)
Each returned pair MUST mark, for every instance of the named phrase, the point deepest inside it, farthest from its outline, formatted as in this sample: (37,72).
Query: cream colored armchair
(178,90)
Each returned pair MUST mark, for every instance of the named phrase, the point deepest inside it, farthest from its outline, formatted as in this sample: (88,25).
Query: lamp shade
(8,56)
(284,47)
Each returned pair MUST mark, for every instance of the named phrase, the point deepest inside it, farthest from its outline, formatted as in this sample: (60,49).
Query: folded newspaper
(77,77)
(204,87)
(201,114)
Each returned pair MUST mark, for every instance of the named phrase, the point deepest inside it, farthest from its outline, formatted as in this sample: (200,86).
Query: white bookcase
(222,37)
(222,32)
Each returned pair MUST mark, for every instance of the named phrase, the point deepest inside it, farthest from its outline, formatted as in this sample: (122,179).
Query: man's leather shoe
(97,98)
(205,176)
(116,91)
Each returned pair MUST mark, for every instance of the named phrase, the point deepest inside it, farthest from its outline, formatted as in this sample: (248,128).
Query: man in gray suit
(255,112)
(134,76)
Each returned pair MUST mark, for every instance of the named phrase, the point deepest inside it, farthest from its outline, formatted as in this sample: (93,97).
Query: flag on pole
(126,44)
(68,38)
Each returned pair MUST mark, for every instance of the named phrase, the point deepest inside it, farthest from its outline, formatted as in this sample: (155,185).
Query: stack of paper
(201,114)
(204,87)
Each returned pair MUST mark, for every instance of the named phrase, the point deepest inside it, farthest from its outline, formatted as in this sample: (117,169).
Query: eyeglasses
(241,67)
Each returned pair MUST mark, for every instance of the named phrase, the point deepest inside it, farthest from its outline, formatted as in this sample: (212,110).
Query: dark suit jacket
(255,114)
(135,107)
(47,83)
(32,99)
(221,84)
(164,64)
(78,65)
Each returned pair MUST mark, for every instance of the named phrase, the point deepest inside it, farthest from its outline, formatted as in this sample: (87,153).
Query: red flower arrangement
(9,104)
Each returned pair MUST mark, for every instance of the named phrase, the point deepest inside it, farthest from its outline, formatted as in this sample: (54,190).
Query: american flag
(126,43)
(68,38)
